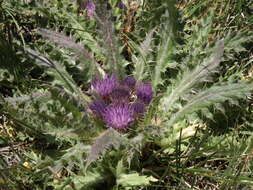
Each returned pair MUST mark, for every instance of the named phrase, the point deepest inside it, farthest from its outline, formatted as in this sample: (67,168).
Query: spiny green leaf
(145,46)
(140,61)
(234,41)
(190,79)
(85,182)
(110,43)
(65,41)
(25,98)
(60,73)
(134,179)
(110,138)
(165,50)
(211,96)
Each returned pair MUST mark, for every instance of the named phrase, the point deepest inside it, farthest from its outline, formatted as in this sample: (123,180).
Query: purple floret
(90,7)
(121,5)
(129,82)
(119,116)
(105,86)
(98,107)
(144,92)
(120,94)
(138,108)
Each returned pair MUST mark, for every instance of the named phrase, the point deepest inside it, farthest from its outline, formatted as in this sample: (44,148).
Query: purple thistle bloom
(120,94)
(138,108)
(130,82)
(105,86)
(117,105)
(144,92)
(119,116)
(90,7)
(98,107)
(121,5)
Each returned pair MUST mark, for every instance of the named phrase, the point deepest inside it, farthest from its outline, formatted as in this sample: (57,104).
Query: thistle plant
(118,122)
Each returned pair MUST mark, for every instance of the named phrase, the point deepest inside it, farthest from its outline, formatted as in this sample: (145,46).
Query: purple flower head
(116,103)
(90,7)
(130,82)
(120,94)
(119,116)
(138,108)
(121,5)
(98,107)
(144,92)
(105,86)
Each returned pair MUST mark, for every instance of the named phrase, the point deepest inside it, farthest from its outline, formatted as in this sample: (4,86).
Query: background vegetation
(197,132)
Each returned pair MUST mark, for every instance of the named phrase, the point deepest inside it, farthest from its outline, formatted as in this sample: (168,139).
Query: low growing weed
(123,110)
